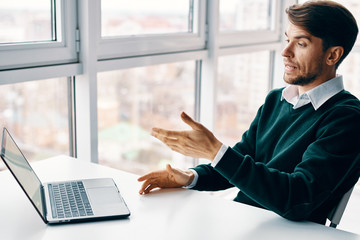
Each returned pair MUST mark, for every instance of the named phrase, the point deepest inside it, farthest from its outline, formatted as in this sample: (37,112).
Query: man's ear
(334,55)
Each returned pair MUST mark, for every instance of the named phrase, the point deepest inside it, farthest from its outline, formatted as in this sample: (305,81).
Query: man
(301,152)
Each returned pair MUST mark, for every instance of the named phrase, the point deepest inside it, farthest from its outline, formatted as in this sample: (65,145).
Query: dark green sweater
(295,162)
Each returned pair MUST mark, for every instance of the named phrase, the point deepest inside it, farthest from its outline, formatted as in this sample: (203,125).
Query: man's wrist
(190,174)
(194,178)
(217,147)
(219,155)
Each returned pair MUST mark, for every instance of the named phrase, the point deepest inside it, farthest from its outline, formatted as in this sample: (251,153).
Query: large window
(37,41)
(131,102)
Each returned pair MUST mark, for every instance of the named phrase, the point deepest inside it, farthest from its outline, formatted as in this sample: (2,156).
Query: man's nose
(287,51)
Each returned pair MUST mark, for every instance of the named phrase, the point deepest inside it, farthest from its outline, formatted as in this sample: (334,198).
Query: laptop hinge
(42,193)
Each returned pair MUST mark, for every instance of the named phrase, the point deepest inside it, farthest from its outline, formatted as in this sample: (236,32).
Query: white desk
(166,214)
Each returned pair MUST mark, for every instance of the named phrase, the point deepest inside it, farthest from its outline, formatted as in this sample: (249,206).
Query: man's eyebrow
(301,36)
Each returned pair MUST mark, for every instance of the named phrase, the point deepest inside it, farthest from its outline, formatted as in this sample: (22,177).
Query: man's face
(303,57)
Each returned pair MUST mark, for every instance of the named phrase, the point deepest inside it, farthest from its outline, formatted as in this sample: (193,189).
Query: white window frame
(32,54)
(140,45)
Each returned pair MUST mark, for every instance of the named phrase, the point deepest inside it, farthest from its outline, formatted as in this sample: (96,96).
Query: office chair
(335,215)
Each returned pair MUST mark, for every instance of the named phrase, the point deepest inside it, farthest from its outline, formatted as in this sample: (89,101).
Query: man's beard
(310,77)
(303,80)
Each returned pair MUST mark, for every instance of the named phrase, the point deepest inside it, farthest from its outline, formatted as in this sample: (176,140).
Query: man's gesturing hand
(168,178)
(198,142)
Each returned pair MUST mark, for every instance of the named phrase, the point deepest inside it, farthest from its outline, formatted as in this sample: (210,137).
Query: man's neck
(303,89)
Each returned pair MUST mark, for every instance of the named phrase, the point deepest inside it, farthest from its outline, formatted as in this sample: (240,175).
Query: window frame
(46,53)
(151,44)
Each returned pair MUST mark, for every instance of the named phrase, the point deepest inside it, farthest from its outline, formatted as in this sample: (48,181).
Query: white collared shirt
(316,96)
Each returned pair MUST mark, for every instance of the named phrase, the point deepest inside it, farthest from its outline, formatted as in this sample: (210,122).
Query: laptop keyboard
(69,200)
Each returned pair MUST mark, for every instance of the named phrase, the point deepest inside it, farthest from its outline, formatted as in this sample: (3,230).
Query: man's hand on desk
(167,178)
(198,142)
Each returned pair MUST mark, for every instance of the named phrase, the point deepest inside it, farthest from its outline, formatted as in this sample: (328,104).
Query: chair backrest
(336,214)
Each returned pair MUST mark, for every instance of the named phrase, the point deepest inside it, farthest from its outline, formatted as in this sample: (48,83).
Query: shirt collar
(316,96)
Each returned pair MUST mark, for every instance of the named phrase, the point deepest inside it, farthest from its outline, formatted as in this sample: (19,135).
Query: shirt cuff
(193,183)
(219,155)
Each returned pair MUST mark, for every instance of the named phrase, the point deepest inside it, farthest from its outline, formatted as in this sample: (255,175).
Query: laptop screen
(22,171)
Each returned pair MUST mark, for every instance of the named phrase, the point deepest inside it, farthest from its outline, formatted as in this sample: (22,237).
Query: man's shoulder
(274,95)
(344,100)
(343,108)
(276,91)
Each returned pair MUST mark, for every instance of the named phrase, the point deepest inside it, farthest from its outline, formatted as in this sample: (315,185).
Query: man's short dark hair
(328,20)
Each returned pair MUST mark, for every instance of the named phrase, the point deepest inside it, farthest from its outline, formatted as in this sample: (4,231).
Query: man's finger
(149,176)
(189,121)
(143,178)
(159,132)
(147,186)
(143,187)
(146,189)
(169,168)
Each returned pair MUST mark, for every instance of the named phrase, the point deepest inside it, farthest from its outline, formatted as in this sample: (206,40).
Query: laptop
(65,201)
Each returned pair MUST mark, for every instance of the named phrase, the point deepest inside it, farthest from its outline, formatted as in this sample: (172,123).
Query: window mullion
(72,116)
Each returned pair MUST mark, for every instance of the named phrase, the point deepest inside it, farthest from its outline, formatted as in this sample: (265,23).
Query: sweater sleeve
(210,179)
(330,164)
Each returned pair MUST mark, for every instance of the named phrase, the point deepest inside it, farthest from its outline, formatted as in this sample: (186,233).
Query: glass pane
(36,115)
(131,102)
(241,89)
(25,21)
(245,15)
(139,17)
